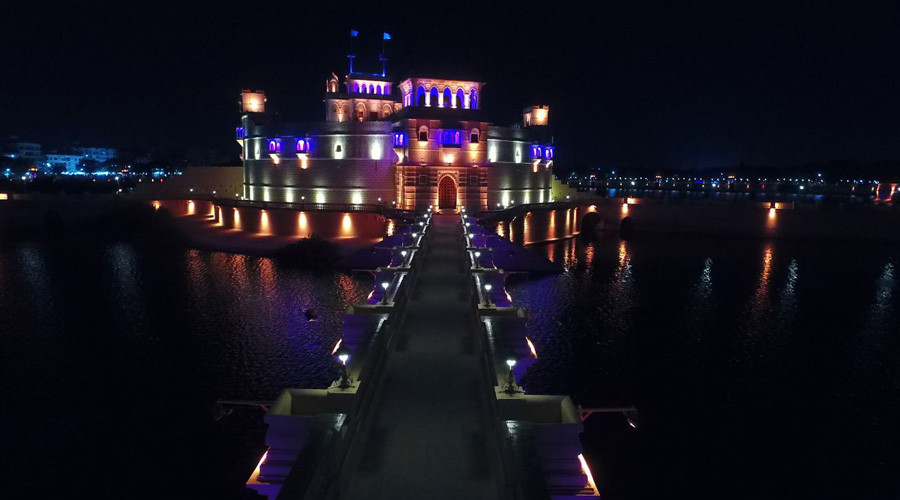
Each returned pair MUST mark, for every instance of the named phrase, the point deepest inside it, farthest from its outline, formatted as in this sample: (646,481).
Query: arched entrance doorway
(447,193)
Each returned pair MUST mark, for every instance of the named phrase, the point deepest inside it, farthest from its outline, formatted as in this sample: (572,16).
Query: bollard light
(415,234)
(403,253)
(384,286)
(422,224)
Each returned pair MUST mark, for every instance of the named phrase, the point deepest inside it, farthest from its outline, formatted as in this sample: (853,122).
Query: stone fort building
(423,141)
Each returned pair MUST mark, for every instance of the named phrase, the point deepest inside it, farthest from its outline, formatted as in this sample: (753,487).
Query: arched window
(355,88)
(384,90)
(473,99)
(332,85)
(434,98)
(474,136)
(420,96)
(386,111)
(460,98)
(423,134)
(447,97)
(360,112)
(378,89)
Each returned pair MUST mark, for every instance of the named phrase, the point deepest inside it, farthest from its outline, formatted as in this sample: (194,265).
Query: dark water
(112,356)
(760,369)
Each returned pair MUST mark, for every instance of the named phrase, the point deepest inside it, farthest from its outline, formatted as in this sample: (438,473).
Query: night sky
(629,83)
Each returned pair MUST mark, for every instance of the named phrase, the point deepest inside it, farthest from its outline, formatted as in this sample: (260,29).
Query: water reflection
(127,292)
(728,347)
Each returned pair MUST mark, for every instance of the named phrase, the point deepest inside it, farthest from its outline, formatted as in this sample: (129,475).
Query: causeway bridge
(428,405)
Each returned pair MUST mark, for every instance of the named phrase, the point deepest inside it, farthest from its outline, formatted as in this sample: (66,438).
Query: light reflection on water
(110,349)
(730,349)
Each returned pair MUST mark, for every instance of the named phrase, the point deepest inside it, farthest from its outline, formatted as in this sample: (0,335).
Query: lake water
(112,357)
(760,369)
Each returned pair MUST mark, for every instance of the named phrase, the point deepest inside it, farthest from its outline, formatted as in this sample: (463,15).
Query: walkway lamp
(403,255)
(478,259)
(511,387)
(384,286)
(487,293)
(343,354)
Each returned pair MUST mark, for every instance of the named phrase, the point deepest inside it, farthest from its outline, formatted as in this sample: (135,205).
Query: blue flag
(354,33)
(387,36)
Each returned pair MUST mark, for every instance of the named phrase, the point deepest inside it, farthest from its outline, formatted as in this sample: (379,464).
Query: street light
(343,354)
(385,285)
(511,387)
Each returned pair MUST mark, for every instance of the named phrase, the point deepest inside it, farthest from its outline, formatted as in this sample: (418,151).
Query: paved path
(431,438)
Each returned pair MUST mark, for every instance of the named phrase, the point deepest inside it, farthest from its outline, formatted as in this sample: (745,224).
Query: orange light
(263,222)
(772,213)
(390,227)
(156,204)
(625,208)
(531,347)
(191,207)
(254,478)
(237,218)
(347,224)
(587,472)
(302,223)
(338,344)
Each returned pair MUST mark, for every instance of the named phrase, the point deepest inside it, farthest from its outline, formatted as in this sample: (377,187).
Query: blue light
(451,137)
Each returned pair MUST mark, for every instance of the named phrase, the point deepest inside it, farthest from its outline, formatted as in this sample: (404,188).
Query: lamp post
(478,259)
(384,286)
(403,255)
(343,355)
(487,293)
(511,387)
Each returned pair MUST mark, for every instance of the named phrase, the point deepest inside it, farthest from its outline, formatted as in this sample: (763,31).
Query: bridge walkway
(431,436)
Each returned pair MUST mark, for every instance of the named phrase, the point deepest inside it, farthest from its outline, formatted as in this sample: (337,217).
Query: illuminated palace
(422,142)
